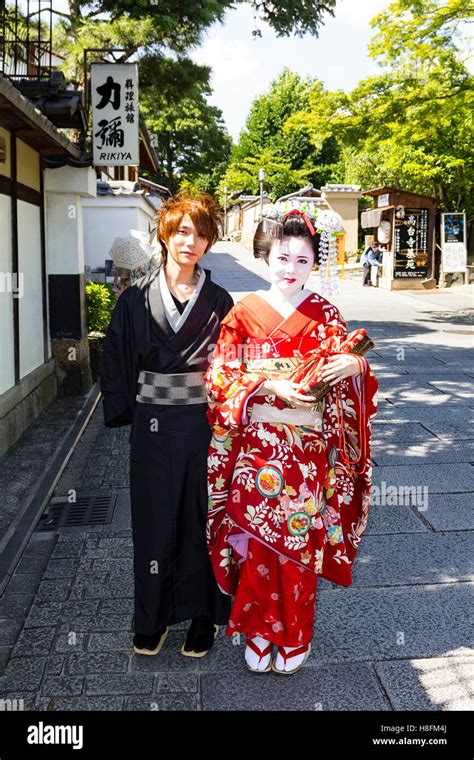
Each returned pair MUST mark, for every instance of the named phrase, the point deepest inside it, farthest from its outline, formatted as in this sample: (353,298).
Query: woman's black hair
(293,226)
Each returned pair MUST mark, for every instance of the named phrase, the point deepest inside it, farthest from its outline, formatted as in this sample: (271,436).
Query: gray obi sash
(182,388)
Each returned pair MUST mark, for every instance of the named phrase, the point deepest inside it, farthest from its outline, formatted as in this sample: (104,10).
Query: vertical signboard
(453,242)
(411,243)
(115,123)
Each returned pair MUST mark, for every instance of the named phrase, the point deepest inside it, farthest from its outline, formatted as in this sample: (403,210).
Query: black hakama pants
(174,580)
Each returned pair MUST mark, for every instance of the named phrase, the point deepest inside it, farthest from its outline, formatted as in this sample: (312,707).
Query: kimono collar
(288,307)
(173,316)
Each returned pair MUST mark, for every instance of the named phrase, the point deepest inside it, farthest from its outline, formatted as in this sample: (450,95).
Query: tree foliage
(411,124)
(290,158)
(192,142)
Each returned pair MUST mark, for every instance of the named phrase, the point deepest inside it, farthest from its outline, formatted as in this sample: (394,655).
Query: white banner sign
(115,124)
(453,242)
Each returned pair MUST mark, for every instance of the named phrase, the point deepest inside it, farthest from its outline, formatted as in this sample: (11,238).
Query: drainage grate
(92,509)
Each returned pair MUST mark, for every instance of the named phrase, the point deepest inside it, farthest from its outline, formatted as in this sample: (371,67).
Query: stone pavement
(398,639)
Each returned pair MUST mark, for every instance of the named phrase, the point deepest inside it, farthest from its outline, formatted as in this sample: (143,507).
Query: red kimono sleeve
(229,385)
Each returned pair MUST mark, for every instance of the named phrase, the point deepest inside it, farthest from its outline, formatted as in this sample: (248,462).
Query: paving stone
(15,605)
(109,591)
(5,653)
(389,520)
(383,432)
(101,622)
(134,683)
(428,452)
(9,630)
(447,430)
(95,554)
(435,683)
(319,688)
(448,512)
(185,702)
(116,606)
(110,642)
(62,686)
(26,583)
(61,568)
(362,624)
(43,613)
(69,640)
(75,608)
(439,478)
(23,674)
(28,565)
(413,558)
(226,654)
(176,682)
(89,704)
(427,414)
(123,542)
(67,549)
(34,642)
(73,538)
(55,665)
(82,664)
(463,389)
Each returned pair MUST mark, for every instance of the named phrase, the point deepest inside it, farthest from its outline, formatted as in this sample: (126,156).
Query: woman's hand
(339,367)
(288,392)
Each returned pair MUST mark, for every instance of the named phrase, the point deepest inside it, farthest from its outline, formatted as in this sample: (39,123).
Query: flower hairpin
(325,222)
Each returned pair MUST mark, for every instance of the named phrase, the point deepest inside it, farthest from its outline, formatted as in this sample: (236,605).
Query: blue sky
(243,67)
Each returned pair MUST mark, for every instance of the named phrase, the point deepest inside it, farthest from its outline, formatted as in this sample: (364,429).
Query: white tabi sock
(252,658)
(292,662)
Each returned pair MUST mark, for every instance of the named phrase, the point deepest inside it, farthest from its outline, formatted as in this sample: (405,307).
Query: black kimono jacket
(168,455)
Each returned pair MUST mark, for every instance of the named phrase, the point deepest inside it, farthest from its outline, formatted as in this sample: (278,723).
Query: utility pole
(225,212)
(261,177)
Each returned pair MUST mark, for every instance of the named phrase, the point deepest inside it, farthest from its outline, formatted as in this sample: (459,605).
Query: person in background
(125,276)
(372,256)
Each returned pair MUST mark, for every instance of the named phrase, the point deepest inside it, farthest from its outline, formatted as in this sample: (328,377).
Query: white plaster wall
(30,305)
(7,362)
(106,218)
(64,233)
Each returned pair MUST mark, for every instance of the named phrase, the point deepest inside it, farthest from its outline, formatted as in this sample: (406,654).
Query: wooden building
(404,223)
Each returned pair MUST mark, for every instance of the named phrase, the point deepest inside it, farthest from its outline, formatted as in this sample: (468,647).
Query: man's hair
(293,226)
(202,210)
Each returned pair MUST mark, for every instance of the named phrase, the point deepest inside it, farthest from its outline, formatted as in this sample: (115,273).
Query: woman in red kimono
(289,478)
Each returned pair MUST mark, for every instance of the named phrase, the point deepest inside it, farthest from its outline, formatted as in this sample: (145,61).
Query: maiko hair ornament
(323,221)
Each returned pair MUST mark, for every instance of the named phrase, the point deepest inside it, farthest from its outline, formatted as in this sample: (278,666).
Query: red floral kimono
(288,500)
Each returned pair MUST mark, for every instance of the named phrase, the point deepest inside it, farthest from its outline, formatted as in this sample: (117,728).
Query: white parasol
(132,251)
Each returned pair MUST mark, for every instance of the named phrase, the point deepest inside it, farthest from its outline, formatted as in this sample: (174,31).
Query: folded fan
(306,374)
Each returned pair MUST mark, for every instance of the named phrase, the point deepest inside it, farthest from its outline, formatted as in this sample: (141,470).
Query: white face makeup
(289,264)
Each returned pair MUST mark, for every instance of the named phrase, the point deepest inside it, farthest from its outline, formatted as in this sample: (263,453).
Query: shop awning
(370,218)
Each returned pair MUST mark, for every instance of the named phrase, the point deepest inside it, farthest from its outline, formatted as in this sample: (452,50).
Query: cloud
(359,12)
(230,61)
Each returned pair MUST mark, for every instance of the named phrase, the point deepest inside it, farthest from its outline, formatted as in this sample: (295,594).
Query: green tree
(190,137)
(192,141)
(161,26)
(288,155)
(411,125)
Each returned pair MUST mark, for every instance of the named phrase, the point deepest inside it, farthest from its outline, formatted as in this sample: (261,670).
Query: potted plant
(101,300)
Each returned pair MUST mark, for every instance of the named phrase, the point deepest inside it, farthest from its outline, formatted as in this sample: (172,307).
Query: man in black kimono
(157,348)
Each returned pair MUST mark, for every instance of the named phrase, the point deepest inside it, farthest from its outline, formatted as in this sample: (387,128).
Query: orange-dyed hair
(202,210)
